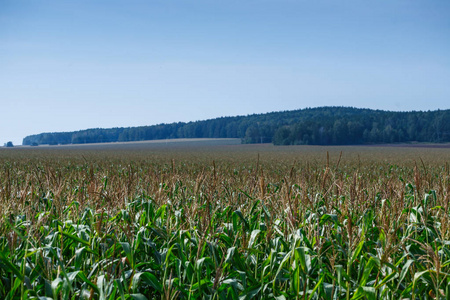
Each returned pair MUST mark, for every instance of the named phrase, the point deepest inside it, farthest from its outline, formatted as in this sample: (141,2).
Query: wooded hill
(310,126)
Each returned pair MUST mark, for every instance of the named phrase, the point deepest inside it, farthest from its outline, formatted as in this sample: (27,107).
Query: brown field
(232,150)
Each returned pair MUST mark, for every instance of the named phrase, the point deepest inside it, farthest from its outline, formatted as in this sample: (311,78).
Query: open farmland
(224,221)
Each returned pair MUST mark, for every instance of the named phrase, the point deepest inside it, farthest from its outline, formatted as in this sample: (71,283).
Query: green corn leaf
(319,283)
(225,239)
(404,270)
(238,214)
(356,252)
(230,254)
(11,267)
(253,237)
(119,286)
(328,218)
(420,274)
(148,278)
(15,288)
(367,270)
(56,286)
(233,283)
(255,205)
(80,275)
(128,252)
(285,259)
(75,238)
(101,282)
(387,279)
(328,289)
(138,297)
(246,194)
(250,293)
(365,291)
(303,259)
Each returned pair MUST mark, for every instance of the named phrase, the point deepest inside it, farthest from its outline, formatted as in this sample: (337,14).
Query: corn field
(228,222)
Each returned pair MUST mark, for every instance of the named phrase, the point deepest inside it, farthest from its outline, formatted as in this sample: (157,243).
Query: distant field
(215,219)
(147,143)
(233,149)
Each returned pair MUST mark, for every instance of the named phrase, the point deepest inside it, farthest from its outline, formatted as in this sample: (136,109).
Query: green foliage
(136,227)
(311,126)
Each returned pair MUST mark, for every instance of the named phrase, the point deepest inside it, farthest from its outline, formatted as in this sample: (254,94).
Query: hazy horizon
(69,66)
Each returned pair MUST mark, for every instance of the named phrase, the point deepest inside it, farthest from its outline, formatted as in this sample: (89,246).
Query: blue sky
(70,65)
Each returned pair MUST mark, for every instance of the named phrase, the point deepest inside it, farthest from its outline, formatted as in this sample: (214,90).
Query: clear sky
(70,65)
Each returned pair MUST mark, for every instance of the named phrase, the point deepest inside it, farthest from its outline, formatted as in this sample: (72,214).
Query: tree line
(310,126)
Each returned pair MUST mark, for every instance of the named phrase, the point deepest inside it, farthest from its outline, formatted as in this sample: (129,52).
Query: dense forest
(310,126)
